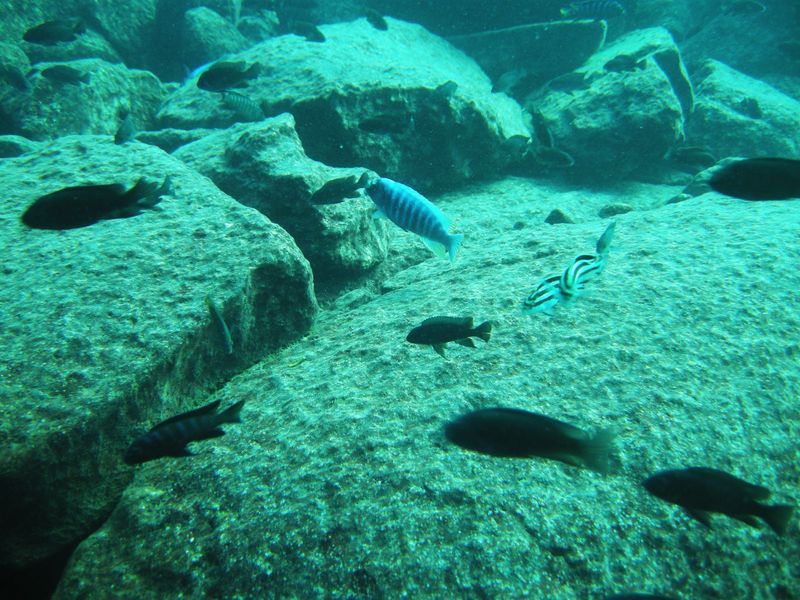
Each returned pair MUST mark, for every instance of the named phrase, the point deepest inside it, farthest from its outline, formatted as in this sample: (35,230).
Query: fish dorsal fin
(203,410)
(440,319)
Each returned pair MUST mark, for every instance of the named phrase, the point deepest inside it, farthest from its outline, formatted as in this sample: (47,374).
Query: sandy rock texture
(340,483)
(106,327)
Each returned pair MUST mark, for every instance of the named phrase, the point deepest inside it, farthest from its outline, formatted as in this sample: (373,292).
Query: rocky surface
(89,105)
(340,483)
(737,115)
(105,327)
(627,107)
(385,92)
(263,165)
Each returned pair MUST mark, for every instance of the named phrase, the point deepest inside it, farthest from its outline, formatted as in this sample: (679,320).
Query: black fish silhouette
(759,179)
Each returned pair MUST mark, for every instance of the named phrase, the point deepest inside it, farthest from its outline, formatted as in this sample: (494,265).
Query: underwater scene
(376,299)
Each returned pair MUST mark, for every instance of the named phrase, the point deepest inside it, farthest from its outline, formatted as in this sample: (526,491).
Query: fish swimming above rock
(170,437)
(411,211)
(84,205)
(337,190)
(438,331)
(243,106)
(515,433)
(593,9)
(759,179)
(307,30)
(127,128)
(225,75)
(702,490)
(51,33)
(376,19)
(625,62)
(66,75)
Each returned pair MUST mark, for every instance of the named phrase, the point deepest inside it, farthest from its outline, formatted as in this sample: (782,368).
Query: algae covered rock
(263,165)
(625,108)
(105,328)
(384,92)
(82,96)
(737,115)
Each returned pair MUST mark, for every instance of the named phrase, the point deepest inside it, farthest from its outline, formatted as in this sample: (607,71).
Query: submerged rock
(208,36)
(385,92)
(263,165)
(105,328)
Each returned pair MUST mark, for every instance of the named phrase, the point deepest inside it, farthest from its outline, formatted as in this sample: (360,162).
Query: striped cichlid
(411,211)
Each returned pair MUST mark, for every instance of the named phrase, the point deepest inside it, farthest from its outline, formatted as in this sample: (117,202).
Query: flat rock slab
(340,482)
(105,328)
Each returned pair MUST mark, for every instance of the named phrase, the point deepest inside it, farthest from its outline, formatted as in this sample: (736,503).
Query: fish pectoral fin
(699,515)
(439,350)
(466,342)
(436,247)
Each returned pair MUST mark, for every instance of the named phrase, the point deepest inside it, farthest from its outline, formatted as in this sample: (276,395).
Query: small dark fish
(759,179)
(376,19)
(222,326)
(53,32)
(307,30)
(569,82)
(593,9)
(541,129)
(244,107)
(554,158)
(604,241)
(702,490)
(126,129)
(693,156)
(65,74)
(85,205)
(224,75)
(438,331)
(790,49)
(169,438)
(744,8)
(625,62)
(336,190)
(446,90)
(514,433)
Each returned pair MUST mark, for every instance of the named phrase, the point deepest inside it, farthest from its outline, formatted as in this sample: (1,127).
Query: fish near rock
(437,332)
(337,190)
(66,75)
(170,437)
(225,75)
(51,33)
(80,206)
(759,179)
(702,490)
(515,433)
(411,211)
(243,106)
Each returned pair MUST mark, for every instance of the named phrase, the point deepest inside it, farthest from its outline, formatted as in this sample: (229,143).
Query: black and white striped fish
(169,438)
(411,211)
(584,268)
(544,296)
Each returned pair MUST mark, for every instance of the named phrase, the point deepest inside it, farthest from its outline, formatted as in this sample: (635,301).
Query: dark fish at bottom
(84,205)
(759,179)
(514,433)
(170,437)
(438,331)
(702,490)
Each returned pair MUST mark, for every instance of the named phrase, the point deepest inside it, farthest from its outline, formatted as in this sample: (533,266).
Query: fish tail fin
(484,331)
(231,414)
(453,246)
(146,194)
(777,517)
(597,449)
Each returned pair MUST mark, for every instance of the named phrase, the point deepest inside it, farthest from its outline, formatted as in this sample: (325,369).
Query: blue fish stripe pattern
(411,211)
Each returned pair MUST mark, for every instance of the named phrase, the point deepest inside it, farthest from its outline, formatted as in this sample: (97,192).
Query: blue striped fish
(411,211)
(169,438)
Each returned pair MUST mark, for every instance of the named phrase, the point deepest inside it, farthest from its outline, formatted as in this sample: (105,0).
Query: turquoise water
(188,219)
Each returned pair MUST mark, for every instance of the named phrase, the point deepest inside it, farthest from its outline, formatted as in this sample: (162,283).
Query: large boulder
(402,102)
(91,103)
(263,165)
(105,328)
(627,106)
(341,484)
(737,115)
(208,36)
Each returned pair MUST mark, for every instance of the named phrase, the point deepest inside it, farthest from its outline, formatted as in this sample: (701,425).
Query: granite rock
(105,328)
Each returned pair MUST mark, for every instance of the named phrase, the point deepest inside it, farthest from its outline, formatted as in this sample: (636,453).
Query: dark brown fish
(438,331)
(625,62)
(65,74)
(759,179)
(127,128)
(225,75)
(336,190)
(514,433)
(376,19)
(54,32)
(84,205)
(702,490)
(170,437)
(307,30)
